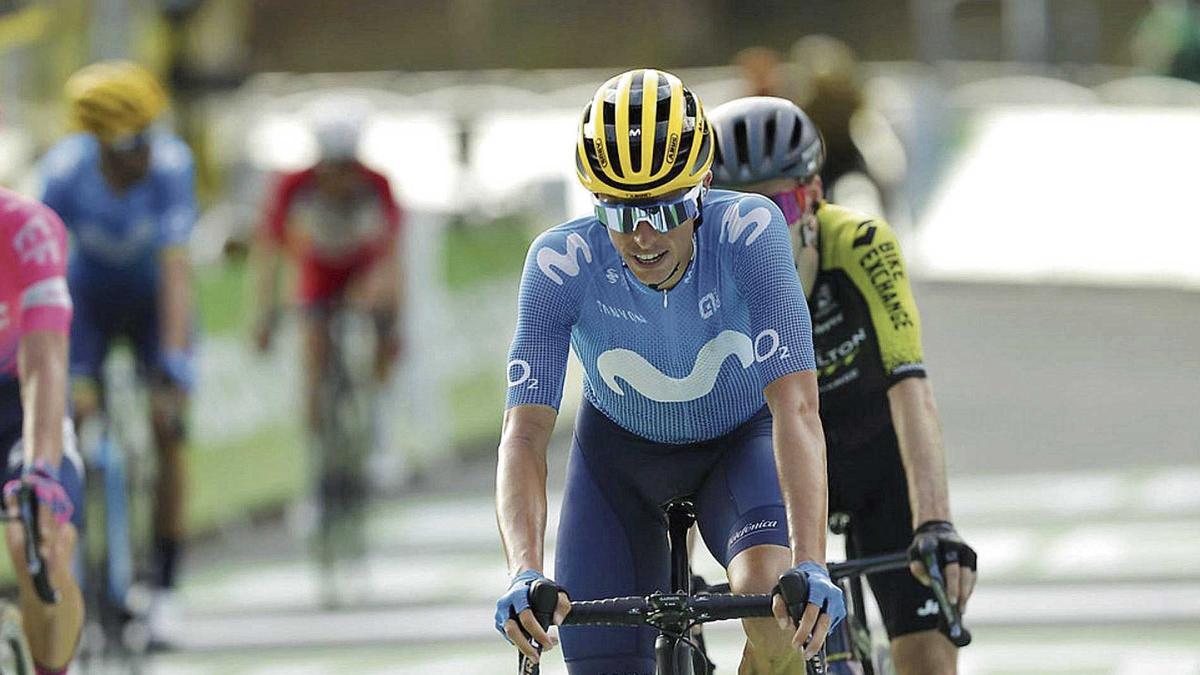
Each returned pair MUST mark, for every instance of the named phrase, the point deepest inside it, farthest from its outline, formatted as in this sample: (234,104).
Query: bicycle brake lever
(951,624)
(36,566)
(543,599)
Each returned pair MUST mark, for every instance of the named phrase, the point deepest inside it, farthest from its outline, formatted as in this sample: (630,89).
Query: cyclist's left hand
(823,610)
(958,560)
(179,367)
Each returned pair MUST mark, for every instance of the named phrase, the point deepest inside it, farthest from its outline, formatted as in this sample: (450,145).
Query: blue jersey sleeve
(56,173)
(175,172)
(760,250)
(547,309)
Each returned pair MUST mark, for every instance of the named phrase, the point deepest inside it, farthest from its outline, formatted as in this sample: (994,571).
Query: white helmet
(337,124)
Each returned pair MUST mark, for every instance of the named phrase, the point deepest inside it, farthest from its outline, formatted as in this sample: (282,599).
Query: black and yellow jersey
(866,331)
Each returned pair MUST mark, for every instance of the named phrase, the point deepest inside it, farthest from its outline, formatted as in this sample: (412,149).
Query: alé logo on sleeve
(734,224)
(553,262)
(649,381)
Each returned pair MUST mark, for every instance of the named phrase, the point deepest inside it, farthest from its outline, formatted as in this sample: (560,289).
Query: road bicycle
(675,614)
(120,469)
(342,443)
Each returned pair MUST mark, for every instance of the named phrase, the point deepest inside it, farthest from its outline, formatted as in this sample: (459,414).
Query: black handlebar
(28,506)
(637,611)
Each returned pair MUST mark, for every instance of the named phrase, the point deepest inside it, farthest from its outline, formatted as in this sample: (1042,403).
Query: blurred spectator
(1167,40)
(760,68)
(864,159)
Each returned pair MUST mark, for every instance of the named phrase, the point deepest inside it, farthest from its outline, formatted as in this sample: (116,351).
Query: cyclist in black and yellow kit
(886,460)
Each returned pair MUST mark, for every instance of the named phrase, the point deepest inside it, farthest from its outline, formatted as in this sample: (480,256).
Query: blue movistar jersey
(118,236)
(677,366)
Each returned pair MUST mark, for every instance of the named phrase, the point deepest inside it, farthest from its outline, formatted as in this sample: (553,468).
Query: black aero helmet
(762,138)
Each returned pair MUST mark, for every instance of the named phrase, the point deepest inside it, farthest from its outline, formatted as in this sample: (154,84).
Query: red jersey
(331,241)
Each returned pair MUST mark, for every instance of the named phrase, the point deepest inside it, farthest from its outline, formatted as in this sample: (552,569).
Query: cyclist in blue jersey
(886,459)
(125,191)
(683,305)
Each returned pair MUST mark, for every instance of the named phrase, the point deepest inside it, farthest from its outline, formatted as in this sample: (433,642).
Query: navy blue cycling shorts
(612,534)
(70,472)
(99,319)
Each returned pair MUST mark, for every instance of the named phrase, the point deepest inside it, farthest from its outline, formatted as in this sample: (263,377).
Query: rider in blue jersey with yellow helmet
(125,191)
(683,305)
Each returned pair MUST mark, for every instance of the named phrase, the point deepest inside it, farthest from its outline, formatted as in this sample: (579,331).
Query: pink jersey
(33,285)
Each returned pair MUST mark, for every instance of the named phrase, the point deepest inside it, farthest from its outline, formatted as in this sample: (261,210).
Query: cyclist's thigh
(89,341)
(611,542)
(884,525)
(740,504)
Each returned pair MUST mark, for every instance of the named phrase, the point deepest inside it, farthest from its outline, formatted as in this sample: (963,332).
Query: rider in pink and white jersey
(35,433)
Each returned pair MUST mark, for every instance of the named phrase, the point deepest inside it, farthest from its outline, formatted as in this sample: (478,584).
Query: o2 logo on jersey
(656,385)
(522,375)
(709,304)
(549,259)
(734,224)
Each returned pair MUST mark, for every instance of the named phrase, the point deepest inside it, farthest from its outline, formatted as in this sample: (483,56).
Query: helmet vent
(770,132)
(741,143)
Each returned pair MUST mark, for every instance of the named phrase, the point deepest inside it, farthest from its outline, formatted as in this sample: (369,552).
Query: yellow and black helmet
(114,98)
(630,150)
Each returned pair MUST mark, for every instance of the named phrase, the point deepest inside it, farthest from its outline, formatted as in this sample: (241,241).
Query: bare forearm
(799,447)
(919,432)
(265,265)
(176,299)
(42,361)
(521,486)
(800,460)
(521,508)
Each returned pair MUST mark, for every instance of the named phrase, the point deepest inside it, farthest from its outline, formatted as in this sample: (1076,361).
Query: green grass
(477,401)
(475,252)
(221,293)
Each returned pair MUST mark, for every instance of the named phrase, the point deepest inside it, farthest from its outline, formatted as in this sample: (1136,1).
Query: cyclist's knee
(927,652)
(85,397)
(757,569)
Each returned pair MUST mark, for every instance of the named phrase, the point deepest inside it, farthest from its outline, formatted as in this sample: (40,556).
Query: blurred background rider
(339,222)
(124,188)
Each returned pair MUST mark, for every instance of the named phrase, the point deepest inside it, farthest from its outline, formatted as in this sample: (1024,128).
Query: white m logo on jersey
(656,385)
(733,223)
(567,263)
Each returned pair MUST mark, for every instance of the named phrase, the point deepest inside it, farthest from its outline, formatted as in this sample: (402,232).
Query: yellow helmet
(114,98)
(632,151)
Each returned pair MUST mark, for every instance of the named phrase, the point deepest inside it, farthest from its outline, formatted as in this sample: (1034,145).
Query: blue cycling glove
(516,599)
(822,592)
(178,366)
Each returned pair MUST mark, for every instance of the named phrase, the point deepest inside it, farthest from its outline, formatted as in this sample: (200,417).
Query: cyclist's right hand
(515,619)
(57,535)
(815,613)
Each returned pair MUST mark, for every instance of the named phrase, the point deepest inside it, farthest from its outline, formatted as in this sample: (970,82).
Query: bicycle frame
(673,614)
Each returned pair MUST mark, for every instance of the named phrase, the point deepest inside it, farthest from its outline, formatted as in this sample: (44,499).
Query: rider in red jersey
(339,222)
